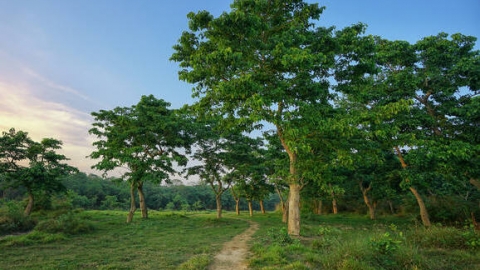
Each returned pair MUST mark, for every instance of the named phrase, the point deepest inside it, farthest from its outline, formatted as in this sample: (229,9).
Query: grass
(164,241)
(190,240)
(355,242)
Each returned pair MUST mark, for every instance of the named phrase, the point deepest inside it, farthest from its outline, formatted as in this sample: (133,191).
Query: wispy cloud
(20,109)
(53,85)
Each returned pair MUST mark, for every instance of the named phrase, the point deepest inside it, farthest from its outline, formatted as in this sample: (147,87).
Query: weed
(196,262)
(12,219)
(68,223)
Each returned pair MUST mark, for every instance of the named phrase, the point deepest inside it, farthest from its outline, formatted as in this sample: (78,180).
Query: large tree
(416,98)
(36,166)
(264,61)
(142,142)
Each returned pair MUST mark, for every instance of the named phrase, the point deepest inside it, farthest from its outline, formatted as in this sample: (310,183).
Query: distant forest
(92,192)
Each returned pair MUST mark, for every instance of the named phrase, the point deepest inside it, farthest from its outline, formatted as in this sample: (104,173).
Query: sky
(62,60)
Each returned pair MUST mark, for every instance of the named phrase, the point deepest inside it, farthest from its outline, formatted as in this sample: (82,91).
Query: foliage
(12,219)
(68,223)
(36,166)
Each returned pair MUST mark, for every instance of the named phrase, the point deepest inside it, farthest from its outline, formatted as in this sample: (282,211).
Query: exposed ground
(234,253)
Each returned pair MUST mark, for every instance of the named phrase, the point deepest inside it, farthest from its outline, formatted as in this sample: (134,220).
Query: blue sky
(61,60)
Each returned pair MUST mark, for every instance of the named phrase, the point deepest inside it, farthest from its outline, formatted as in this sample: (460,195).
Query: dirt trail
(233,255)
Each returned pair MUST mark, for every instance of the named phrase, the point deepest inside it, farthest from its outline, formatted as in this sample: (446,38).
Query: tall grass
(353,242)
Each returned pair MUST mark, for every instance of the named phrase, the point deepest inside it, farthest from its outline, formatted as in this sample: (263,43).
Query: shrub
(12,219)
(68,223)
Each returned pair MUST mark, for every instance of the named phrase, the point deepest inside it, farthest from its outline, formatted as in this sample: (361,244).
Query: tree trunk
(421,204)
(317,207)
(237,206)
(392,210)
(366,199)
(294,210)
(294,184)
(334,206)
(141,197)
(285,212)
(218,199)
(262,208)
(250,208)
(423,208)
(28,209)
(283,204)
(133,207)
(475,182)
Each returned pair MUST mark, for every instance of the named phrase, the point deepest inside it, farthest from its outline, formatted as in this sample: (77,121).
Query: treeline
(92,192)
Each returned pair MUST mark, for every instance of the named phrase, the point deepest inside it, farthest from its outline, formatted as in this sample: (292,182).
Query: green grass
(164,241)
(355,242)
(189,241)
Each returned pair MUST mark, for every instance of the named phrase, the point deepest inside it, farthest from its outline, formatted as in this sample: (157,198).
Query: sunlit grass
(164,241)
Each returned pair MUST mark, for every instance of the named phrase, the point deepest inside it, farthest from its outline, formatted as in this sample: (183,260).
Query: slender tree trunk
(392,210)
(218,199)
(317,207)
(334,201)
(28,209)
(334,206)
(250,208)
(285,212)
(237,206)
(262,208)
(133,206)
(366,199)
(423,209)
(283,204)
(141,197)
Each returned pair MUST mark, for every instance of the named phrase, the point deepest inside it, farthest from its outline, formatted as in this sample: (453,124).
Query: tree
(415,99)
(34,165)
(263,61)
(143,142)
(210,151)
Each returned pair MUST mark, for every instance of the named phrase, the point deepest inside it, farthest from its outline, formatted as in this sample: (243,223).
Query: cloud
(22,110)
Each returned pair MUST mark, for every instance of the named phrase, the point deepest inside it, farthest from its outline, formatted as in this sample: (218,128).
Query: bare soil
(233,255)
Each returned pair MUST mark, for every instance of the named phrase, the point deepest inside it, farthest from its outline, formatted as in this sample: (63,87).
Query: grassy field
(190,240)
(164,241)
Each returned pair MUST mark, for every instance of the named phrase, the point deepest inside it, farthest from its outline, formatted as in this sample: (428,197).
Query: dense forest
(290,116)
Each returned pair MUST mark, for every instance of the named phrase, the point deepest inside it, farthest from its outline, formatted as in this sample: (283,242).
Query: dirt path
(233,255)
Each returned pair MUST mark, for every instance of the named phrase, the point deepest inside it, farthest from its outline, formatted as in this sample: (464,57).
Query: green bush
(12,219)
(68,223)
(445,237)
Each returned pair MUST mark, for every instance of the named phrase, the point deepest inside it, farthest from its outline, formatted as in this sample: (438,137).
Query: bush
(12,219)
(68,223)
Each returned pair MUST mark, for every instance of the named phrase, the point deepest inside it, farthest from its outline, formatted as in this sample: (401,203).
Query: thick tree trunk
(423,209)
(294,184)
(218,199)
(141,197)
(250,208)
(133,206)
(28,209)
(262,208)
(294,210)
